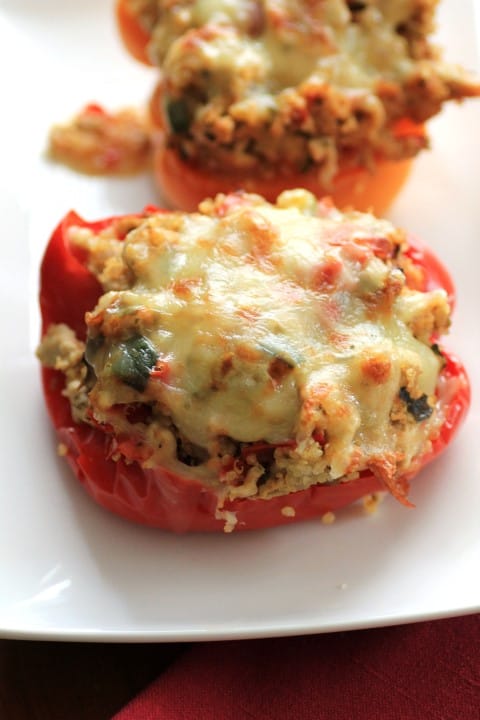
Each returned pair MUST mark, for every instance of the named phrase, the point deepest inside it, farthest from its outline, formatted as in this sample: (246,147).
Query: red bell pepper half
(161,498)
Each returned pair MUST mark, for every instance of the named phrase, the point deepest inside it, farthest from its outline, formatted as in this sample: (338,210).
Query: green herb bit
(437,350)
(133,360)
(418,407)
(178,115)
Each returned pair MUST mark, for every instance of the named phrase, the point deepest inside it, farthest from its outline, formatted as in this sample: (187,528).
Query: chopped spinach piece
(418,407)
(436,349)
(133,360)
(178,115)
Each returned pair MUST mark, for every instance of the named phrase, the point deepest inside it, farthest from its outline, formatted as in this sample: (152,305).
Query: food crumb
(328,518)
(62,449)
(229,517)
(97,142)
(371,503)
(288,511)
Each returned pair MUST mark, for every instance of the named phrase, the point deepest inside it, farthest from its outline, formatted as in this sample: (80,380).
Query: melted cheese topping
(293,40)
(288,325)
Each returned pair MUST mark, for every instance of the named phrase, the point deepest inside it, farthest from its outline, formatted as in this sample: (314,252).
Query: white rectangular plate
(68,569)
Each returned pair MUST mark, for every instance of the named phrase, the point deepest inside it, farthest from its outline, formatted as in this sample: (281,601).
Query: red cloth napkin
(424,671)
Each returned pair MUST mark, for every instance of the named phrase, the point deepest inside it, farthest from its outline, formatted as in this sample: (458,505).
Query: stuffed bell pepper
(267,95)
(247,365)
